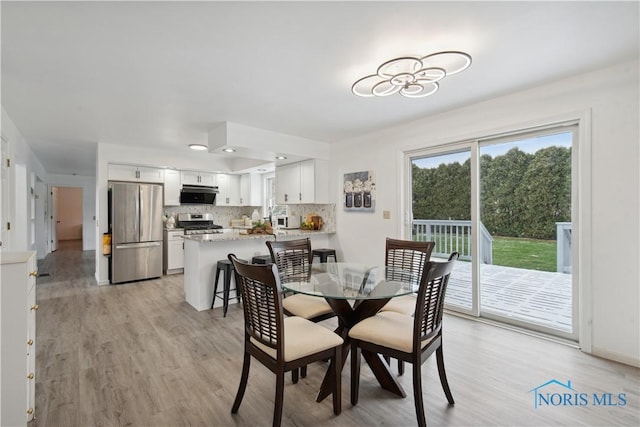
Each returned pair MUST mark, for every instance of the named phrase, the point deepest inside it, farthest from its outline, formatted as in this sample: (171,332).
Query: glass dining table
(355,292)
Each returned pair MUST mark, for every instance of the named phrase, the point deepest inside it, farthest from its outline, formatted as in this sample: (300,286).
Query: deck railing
(563,247)
(453,236)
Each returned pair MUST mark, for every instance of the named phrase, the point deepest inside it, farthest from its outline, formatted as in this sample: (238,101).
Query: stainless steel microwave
(287,221)
(198,195)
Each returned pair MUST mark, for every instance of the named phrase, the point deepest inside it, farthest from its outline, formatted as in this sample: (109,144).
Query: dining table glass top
(339,280)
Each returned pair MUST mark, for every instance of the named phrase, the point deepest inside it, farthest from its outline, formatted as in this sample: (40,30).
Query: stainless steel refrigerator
(136,231)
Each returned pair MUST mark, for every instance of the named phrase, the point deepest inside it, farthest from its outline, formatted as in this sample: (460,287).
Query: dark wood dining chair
(408,256)
(280,343)
(293,259)
(409,339)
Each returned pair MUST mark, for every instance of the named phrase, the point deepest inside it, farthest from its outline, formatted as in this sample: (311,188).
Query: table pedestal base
(347,317)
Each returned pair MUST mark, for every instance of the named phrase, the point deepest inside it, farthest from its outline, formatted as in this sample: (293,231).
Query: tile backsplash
(326,212)
(223,215)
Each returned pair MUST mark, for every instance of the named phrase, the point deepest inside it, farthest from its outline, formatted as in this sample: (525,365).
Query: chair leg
(400,367)
(215,287)
(294,376)
(355,372)
(225,295)
(243,383)
(237,288)
(417,394)
(337,373)
(443,375)
(279,398)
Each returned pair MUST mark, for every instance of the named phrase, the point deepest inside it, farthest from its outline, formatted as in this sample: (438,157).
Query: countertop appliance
(288,221)
(198,195)
(198,223)
(135,221)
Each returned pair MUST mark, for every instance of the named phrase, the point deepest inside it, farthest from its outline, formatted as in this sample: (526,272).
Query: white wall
(607,103)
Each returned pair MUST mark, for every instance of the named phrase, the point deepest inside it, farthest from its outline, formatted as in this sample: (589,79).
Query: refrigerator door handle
(138,245)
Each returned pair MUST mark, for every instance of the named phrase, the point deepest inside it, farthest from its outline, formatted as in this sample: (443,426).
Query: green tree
(500,212)
(544,195)
(522,195)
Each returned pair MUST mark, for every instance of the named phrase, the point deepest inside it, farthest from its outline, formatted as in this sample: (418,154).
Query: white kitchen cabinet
(228,189)
(250,189)
(197,178)
(171,187)
(173,251)
(118,172)
(288,184)
(303,182)
(18,323)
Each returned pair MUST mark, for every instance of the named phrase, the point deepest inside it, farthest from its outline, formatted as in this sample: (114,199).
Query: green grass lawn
(531,254)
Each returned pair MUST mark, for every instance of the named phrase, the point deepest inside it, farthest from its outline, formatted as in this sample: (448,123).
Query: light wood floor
(136,354)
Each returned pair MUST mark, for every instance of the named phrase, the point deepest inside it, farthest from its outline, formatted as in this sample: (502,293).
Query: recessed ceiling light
(198,147)
(281,158)
(229,150)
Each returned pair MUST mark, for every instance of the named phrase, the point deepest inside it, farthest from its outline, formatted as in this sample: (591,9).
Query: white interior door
(5,199)
(54,218)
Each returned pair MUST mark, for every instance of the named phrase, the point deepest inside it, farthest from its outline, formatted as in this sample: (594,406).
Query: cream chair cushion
(388,329)
(406,304)
(302,338)
(306,306)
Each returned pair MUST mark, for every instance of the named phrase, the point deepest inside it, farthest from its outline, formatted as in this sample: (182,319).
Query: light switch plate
(386,214)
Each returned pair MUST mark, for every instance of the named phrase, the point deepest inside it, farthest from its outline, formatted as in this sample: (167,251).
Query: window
(270,207)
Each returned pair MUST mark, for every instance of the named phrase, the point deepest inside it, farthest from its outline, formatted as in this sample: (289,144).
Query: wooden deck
(539,297)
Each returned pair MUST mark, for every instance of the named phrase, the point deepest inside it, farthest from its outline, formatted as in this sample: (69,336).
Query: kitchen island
(203,251)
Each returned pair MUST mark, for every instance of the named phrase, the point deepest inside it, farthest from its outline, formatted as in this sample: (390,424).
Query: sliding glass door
(525,204)
(505,204)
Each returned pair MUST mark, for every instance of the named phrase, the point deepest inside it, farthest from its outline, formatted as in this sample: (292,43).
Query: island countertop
(229,234)
(203,251)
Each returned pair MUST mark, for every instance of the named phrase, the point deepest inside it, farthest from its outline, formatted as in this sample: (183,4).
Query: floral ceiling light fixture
(410,76)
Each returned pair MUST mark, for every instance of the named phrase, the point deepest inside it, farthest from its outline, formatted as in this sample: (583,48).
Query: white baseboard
(615,356)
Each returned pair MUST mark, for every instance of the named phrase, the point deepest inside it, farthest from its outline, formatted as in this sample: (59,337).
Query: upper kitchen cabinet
(303,182)
(228,189)
(171,187)
(135,173)
(197,178)
(250,189)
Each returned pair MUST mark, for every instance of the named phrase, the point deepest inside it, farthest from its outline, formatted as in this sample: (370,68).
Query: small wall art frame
(359,192)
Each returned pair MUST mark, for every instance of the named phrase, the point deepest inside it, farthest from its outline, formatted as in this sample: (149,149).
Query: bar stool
(261,259)
(324,254)
(226,267)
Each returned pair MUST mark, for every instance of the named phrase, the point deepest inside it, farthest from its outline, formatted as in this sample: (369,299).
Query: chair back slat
(430,301)
(407,255)
(293,258)
(261,301)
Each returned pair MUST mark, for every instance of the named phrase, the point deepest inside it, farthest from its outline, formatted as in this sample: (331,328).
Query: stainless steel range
(198,223)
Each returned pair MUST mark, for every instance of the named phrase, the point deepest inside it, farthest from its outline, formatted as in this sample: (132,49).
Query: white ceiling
(162,74)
